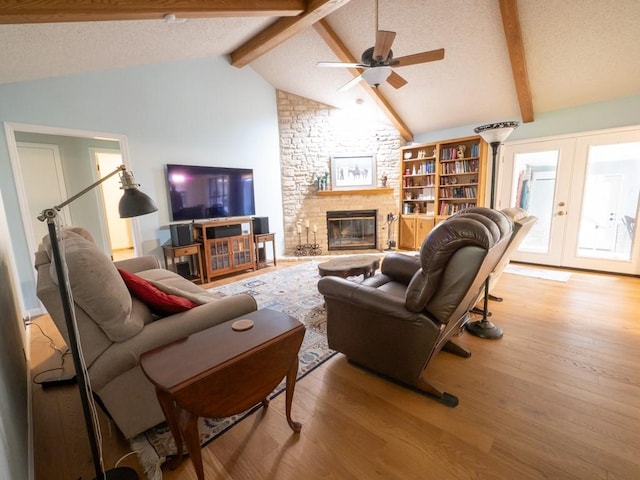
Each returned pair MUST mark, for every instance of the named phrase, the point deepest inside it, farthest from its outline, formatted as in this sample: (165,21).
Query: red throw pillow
(159,302)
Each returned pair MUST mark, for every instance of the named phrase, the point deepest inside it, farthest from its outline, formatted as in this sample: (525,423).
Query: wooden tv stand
(227,246)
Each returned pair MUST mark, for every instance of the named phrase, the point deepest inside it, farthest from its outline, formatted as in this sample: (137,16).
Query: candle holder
(307,249)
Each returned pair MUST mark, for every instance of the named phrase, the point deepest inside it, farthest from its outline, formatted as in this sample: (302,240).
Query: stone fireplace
(352,230)
(311,134)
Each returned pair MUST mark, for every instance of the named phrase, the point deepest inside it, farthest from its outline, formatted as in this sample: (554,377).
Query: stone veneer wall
(310,134)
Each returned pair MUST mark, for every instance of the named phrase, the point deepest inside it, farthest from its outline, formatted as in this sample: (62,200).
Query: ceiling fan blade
(384,40)
(340,64)
(423,57)
(396,81)
(350,83)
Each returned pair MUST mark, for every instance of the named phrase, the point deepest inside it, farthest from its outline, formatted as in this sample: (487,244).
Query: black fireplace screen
(352,230)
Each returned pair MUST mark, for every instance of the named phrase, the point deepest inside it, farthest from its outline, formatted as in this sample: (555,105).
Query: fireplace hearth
(352,230)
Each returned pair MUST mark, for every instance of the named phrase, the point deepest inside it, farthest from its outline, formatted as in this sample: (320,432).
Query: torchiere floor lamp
(132,204)
(494,134)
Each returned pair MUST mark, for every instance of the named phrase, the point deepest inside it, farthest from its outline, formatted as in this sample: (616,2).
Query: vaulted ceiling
(504,59)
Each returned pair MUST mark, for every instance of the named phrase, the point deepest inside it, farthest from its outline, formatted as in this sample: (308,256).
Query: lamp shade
(496,132)
(133,202)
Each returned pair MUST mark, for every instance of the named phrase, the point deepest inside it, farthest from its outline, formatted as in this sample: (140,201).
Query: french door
(584,190)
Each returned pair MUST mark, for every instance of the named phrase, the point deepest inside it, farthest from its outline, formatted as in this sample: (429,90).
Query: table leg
(189,427)
(273,248)
(291,385)
(168,407)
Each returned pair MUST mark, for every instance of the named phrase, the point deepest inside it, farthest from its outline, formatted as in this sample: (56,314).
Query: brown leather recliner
(395,322)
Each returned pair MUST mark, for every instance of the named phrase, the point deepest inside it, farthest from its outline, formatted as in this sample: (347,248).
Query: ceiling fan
(378,61)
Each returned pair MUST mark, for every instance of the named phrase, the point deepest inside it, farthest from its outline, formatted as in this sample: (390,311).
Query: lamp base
(120,473)
(484,329)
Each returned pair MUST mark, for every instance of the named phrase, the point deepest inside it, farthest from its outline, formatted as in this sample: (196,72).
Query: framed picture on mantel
(353,172)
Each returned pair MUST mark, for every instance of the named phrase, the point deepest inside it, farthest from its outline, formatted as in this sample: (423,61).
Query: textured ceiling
(577,52)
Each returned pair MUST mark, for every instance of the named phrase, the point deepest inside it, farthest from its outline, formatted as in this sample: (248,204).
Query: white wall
(201,112)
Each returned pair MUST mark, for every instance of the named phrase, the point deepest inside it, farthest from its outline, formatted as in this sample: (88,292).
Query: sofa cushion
(95,284)
(159,302)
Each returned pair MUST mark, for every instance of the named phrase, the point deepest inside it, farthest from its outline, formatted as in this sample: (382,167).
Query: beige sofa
(116,328)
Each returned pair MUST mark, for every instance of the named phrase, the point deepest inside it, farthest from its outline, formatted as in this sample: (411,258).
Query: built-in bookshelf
(438,180)
(459,174)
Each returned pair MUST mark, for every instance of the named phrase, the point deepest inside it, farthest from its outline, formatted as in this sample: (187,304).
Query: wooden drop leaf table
(219,372)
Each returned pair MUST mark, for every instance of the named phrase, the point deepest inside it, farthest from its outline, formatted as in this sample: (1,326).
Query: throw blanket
(199,298)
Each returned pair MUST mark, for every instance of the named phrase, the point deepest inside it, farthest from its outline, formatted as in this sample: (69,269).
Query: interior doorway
(585,191)
(68,167)
(119,235)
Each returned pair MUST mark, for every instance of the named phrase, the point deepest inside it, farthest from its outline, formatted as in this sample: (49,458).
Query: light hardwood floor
(557,398)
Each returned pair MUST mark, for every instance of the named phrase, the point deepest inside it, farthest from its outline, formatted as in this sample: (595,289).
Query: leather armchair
(395,322)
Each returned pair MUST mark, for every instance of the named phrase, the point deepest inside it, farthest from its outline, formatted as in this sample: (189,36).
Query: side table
(263,238)
(219,372)
(195,262)
(350,265)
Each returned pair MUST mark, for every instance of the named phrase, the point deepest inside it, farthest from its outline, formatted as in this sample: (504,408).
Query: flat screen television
(202,192)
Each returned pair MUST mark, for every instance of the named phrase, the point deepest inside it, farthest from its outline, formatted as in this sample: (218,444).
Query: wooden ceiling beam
(282,30)
(513,35)
(339,48)
(52,11)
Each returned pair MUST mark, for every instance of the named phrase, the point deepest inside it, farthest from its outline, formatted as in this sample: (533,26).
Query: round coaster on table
(242,325)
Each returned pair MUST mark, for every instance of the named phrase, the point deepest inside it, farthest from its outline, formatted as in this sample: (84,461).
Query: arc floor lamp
(132,204)
(494,134)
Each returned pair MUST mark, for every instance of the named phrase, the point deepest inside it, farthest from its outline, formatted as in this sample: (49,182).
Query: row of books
(461,166)
(422,168)
(459,152)
(447,208)
(458,192)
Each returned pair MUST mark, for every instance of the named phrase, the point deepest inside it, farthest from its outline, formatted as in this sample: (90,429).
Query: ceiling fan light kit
(376,76)
(378,61)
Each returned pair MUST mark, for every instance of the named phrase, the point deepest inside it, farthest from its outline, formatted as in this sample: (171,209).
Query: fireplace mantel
(362,191)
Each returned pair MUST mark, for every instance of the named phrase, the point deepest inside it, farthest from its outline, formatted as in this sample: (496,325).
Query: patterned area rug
(290,290)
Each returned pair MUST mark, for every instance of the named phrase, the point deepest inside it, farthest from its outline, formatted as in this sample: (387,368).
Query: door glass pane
(610,202)
(534,184)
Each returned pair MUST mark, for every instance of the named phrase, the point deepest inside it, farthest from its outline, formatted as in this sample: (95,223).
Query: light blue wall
(201,112)
(615,113)
(14,429)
